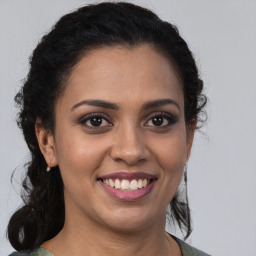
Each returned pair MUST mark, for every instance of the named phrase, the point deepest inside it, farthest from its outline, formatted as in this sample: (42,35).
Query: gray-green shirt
(186,250)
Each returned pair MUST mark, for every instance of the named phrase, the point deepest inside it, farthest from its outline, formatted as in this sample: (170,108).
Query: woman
(108,110)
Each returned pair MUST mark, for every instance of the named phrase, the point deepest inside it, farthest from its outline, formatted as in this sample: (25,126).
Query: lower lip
(129,195)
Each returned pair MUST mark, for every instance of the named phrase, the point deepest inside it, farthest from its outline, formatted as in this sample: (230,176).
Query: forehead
(118,72)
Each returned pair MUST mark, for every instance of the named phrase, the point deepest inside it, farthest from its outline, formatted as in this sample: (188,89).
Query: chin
(130,219)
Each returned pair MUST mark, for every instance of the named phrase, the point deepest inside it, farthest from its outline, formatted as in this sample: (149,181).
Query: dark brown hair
(92,26)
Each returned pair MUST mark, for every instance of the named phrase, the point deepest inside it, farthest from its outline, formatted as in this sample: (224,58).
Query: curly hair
(88,28)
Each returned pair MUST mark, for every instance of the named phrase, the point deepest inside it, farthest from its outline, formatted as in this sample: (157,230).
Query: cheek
(171,150)
(171,157)
(79,160)
(78,157)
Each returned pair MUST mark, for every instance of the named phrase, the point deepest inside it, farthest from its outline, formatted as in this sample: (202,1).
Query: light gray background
(222,172)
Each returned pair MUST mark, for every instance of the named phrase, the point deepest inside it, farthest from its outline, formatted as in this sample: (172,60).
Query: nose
(129,146)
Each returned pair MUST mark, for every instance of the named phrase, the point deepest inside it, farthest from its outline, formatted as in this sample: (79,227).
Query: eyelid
(87,117)
(171,118)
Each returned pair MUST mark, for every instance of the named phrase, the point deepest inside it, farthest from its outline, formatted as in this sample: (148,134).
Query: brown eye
(158,120)
(161,120)
(95,121)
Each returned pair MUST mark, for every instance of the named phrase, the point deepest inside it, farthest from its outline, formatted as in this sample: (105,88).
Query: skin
(127,140)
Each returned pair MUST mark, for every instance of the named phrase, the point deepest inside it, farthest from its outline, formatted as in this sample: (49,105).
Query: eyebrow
(160,103)
(114,106)
(97,103)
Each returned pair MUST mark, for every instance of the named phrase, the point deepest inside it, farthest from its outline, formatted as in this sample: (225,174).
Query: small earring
(48,167)
(186,173)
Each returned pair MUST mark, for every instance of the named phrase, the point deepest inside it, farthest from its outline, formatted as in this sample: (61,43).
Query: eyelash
(90,116)
(171,119)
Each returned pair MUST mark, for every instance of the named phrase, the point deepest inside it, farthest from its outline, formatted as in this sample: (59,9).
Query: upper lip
(128,175)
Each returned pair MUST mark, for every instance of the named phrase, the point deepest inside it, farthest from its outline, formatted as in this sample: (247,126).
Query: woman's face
(120,138)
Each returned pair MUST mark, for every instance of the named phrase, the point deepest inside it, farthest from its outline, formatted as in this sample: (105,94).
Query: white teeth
(134,185)
(126,184)
(140,183)
(111,183)
(117,183)
(144,183)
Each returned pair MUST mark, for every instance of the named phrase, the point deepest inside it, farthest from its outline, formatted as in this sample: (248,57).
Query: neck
(90,238)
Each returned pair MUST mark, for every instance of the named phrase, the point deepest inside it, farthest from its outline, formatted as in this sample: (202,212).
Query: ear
(190,137)
(46,144)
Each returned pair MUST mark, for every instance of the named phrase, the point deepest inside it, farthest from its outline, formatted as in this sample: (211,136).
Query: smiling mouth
(127,185)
